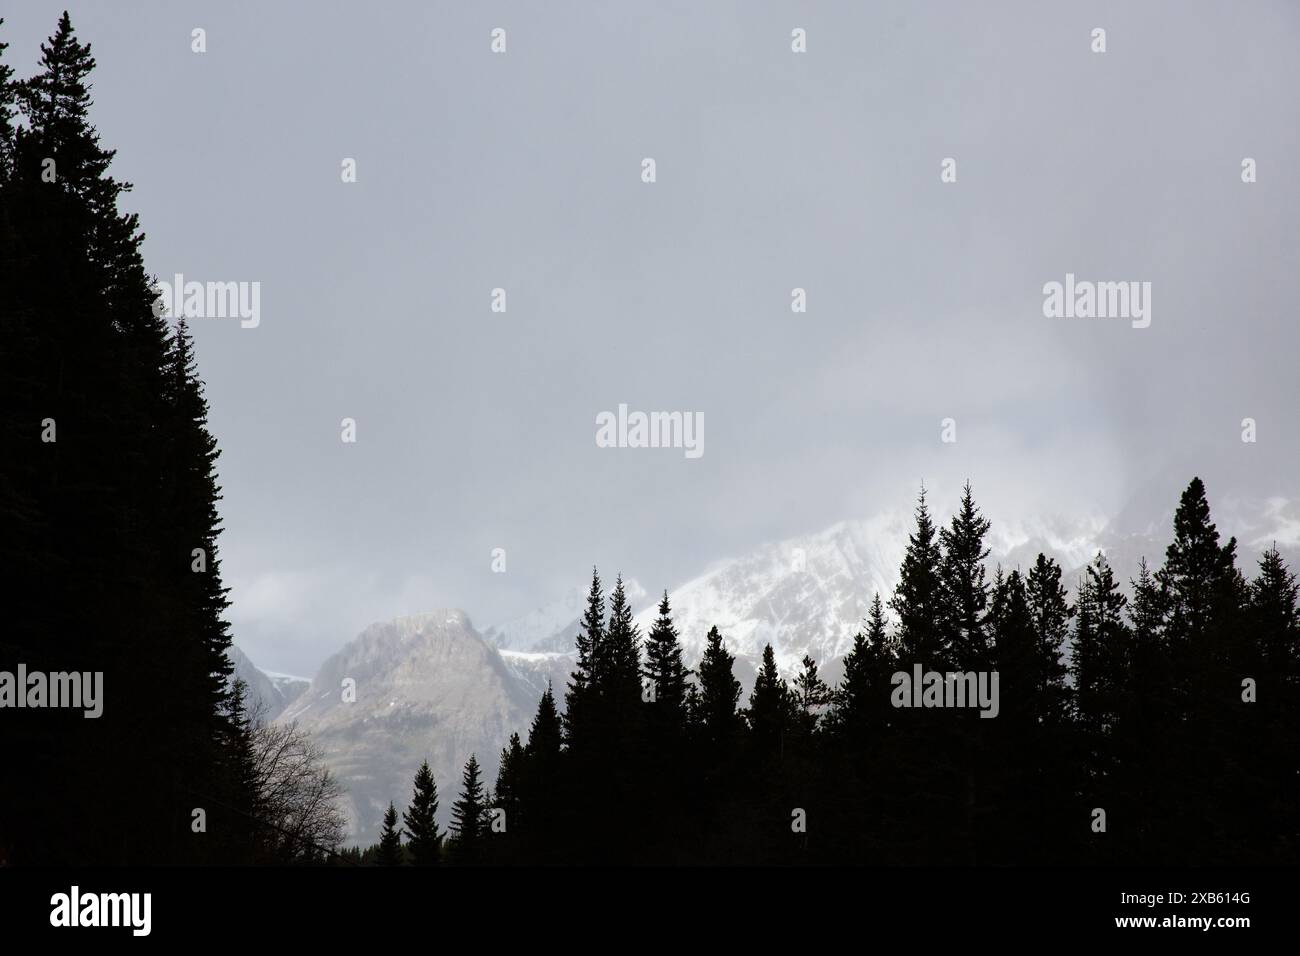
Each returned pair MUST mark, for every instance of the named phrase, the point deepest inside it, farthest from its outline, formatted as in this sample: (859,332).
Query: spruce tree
(618,675)
(665,673)
(1100,669)
(771,709)
(241,811)
(132,476)
(1051,613)
(861,702)
(965,592)
(811,695)
(469,820)
(545,734)
(507,792)
(919,600)
(580,698)
(390,839)
(1016,657)
(931,756)
(1275,621)
(852,699)
(542,795)
(1205,635)
(1100,647)
(1149,669)
(719,691)
(1201,588)
(424,841)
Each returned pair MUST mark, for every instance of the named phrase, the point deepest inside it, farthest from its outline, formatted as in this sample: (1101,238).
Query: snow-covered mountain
(804,595)
(268,693)
(430,686)
(809,594)
(415,688)
(539,628)
(552,627)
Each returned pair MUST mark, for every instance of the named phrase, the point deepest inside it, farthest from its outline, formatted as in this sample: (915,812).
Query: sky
(821,170)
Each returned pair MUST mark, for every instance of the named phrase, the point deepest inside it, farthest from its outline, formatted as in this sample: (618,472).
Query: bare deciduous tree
(297,797)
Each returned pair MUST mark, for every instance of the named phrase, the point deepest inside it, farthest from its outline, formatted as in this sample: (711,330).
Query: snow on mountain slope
(431,686)
(267,692)
(553,627)
(426,687)
(809,594)
(533,631)
(805,595)
(538,670)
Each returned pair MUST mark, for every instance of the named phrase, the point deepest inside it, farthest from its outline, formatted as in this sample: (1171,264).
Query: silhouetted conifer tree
(507,795)
(1051,614)
(1100,647)
(861,701)
(811,695)
(965,592)
(545,734)
(390,839)
(542,802)
(771,708)
(424,841)
(919,599)
(719,692)
(130,475)
(618,677)
(665,673)
(581,695)
(469,817)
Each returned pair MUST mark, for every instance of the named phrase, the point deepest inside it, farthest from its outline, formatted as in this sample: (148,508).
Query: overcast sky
(775,170)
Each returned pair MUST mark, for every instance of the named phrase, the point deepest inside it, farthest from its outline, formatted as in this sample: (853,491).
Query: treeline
(108,528)
(1160,729)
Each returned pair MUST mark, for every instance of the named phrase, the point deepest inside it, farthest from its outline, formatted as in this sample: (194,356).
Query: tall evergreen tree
(1205,600)
(390,839)
(618,677)
(1275,621)
(665,672)
(507,794)
(811,695)
(1201,589)
(542,802)
(1016,656)
(425,842)
(719,691)
(862,698)
(240,811)
(580,698)
(1100,647)
(966,593)
(469,817)
(545,734)
(771,708)
(131,475)
(1051,613)
(919,599)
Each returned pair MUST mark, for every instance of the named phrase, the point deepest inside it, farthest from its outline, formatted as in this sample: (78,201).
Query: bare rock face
(426,687)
